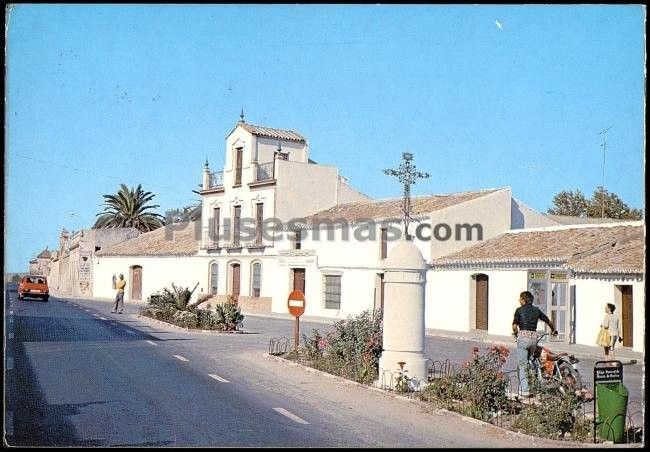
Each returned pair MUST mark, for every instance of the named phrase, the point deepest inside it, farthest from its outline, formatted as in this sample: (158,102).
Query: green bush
(227,316)
(556,414)
(351,350)
(186,319)
(478,389)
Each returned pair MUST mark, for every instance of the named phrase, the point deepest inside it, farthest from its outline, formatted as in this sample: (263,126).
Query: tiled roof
(268,132)
(597,249)
(181,239)
(568,220)
(391,209)
(45,254)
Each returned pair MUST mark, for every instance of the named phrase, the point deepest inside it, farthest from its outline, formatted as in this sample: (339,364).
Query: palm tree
(128,208)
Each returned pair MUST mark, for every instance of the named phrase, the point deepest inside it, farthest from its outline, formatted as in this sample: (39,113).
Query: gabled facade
(267,178)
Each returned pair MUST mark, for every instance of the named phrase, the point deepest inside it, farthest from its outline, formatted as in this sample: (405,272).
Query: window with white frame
(332,291)
(256,279)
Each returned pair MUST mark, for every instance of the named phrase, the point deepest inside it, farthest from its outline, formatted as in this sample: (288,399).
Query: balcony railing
(265,171)
(215,180)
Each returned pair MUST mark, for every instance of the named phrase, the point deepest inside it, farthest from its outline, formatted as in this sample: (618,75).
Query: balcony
(263,174)
(215,180)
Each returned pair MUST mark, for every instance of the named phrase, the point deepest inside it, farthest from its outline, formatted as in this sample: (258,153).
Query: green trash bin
(612,409)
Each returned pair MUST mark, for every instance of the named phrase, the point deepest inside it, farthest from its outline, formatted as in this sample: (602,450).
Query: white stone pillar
(403,327)
(206,176)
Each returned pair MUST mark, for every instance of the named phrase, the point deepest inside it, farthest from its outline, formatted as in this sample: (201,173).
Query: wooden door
(299,279)
(235,279)
(481,302)
(136,283)
(626,315)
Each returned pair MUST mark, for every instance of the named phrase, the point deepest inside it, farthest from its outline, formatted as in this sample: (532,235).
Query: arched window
(214,278)
(256,279)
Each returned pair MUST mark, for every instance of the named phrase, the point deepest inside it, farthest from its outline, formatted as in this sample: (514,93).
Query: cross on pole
(407,175)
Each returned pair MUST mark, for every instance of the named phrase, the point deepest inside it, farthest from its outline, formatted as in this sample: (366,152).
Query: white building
(572,271)
(150,262)
(273,221)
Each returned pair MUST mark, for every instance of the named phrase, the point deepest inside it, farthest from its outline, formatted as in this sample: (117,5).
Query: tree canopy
(129,208)
(601,204)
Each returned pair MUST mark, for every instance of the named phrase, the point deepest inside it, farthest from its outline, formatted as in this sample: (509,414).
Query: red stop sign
(296,303)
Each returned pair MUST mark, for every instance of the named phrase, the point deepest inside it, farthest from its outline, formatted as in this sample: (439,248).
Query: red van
(33,286)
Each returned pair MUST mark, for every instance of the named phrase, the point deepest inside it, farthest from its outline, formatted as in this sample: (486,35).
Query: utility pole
(602,187)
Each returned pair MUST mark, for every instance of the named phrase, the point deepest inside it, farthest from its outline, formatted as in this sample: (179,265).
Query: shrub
(555,415)
(227,316)
(477,389)
(185,319)
(351,350)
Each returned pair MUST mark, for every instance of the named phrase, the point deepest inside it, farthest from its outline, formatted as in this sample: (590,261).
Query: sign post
(296,305)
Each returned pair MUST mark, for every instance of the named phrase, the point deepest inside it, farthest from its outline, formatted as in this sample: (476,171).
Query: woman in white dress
(610,323)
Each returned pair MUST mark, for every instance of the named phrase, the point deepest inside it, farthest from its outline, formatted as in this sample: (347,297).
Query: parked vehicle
(33,287)
(555,369)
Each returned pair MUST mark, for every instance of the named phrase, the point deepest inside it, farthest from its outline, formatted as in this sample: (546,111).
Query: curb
(438,411)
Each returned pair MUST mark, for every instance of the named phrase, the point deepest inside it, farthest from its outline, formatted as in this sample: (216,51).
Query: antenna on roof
(602,187)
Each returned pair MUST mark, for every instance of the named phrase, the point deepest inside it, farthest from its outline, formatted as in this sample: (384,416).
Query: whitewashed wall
(157,273)
(591,296)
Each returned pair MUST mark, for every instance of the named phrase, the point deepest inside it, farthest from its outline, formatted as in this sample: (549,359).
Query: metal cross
(407,175)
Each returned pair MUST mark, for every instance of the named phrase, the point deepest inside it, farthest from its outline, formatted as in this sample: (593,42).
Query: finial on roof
(206,161)
(241,116)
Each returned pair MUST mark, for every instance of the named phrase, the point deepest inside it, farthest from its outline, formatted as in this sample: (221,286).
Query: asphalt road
(77,375)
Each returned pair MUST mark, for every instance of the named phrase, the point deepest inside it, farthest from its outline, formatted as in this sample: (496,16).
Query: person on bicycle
(524,328)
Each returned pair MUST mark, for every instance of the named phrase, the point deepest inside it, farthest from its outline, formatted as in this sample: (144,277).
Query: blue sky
(98,95)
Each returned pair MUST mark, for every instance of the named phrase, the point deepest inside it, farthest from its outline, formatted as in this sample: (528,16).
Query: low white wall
(157,273)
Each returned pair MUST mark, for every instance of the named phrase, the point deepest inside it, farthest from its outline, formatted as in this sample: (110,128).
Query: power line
(92,173)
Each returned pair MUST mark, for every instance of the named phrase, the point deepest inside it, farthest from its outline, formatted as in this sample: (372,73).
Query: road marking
(290,415)
(180,357)
(152,342)
(87,310)
(10,363)
(218,378)
(11,335)
(11,312)
(96,315)
(103,318)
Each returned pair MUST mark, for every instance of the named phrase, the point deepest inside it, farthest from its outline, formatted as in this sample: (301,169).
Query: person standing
(119,297)
(610,323)
(524,328)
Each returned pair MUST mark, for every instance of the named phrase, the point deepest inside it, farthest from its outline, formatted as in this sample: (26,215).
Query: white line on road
(152,342)
(180,357)
(11,335)
(218,378)
(11,312)
(10,363)
(291,416)
(96,315)
(103,318)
